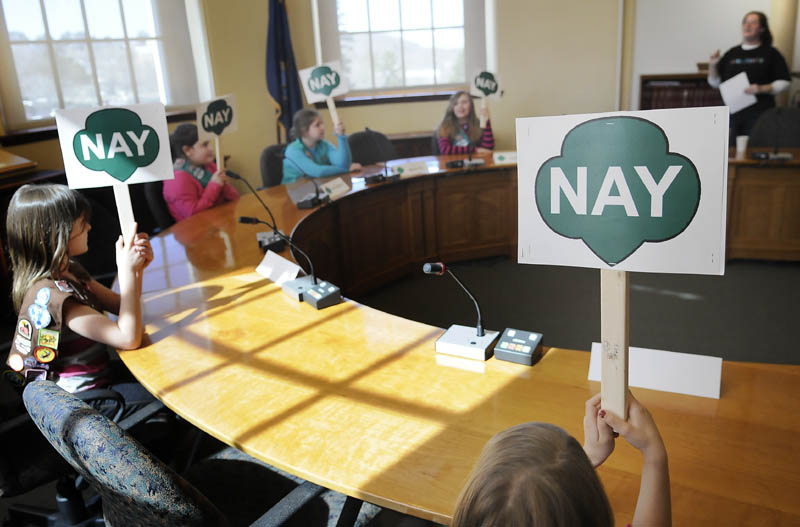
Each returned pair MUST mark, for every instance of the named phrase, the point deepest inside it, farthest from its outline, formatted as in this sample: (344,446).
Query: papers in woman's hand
(732,91)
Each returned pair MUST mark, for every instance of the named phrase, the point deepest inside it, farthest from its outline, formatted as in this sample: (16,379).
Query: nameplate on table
(335,188)
(277,268)
(667,371)
(412,168)
(505,158)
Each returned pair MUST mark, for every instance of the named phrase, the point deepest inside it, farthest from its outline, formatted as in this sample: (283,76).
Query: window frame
(475,57)
(181,85)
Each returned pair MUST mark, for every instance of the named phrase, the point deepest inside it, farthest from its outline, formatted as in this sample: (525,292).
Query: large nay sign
(630,191)
(323,83)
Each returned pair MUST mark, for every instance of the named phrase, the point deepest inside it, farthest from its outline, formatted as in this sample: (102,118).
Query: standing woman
(765,67)
(460,131)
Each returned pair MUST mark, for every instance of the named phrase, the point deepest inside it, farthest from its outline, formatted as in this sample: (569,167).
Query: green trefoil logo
(486,83)
(323,80)
(616,185)
(217,117)
(115,141)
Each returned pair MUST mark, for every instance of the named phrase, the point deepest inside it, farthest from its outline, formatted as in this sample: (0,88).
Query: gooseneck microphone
(251,220)
(438,268)
(277,239)
(309,202)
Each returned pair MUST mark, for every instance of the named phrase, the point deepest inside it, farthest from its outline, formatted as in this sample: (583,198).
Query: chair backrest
(370,147)
(154,195)
(272,165)
(435,143)
(777,128)
(136,488)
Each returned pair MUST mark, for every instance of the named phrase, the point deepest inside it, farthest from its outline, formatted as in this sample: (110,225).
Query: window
(389,45)
(70,53)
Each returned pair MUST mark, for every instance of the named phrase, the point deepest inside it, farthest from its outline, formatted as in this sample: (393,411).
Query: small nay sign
(216,117)
(629,191)
(485,84)
(102,147)
(323,81)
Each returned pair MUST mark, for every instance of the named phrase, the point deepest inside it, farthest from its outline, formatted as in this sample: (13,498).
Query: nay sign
(109,146)
(323,81)
(635,191)
(216,117)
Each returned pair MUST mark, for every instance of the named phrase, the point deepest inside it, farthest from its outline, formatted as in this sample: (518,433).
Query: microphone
(463,341)
(319,294)
(275,242)
(438,268)
(382,157)
(307,202)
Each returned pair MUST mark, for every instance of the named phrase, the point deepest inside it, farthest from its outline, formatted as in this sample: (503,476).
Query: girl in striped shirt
(460,131)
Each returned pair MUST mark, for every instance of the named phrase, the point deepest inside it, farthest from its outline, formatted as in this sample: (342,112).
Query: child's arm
(340,155)
(309,167)
(182,193)
(598,437)
(653,508)
(110,300)
(126,331)
(487,139)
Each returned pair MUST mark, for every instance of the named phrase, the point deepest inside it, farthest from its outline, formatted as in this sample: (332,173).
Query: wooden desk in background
(764,208)
(356,399)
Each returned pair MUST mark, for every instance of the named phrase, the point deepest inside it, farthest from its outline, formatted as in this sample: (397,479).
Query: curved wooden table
(356,400)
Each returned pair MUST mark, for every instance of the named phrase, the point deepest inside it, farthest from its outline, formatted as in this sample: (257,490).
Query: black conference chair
(272,166)
(154,195)
(370,147)
(776,128)
(138,489)
(435,144)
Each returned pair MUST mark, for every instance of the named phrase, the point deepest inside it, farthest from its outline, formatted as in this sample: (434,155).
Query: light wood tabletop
(356,400)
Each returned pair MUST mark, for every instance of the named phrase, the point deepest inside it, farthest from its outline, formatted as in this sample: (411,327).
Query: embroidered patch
(16,362)
(13,377)
(24,328)
(63,286)
(44,354)
(48,337)
(43,296)
(23,346)
(39,316)
(35,375)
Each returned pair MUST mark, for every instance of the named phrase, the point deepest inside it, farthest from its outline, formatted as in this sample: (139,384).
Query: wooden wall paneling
(422,211)
(318,236)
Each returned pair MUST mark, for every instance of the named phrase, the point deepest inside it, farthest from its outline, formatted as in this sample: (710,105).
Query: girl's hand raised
(220,178)
(339,128)
(639,430)
(129,258)
(598,437)
(142,246)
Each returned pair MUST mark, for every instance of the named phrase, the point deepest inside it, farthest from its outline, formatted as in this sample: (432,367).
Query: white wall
(673,36)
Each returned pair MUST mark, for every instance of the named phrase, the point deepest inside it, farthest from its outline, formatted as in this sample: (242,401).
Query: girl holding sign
(537,474)
(62,332)
(310,154)
(460,131)
(198,184)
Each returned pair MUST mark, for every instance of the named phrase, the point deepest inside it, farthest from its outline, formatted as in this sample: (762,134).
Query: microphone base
(297,287)
(320,295)
(463,341)
(310,203)
(269,241)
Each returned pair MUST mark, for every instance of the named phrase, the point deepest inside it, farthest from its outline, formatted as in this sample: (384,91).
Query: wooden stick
(220,159)
(614,320)
(332,110)
(484,106)
(122,196)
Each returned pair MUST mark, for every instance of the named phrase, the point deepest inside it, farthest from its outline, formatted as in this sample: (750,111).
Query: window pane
(416,14)
(147,68)
(104,19)
(75,74)
(36,84)
(448,13)
(139,18)
(449,55)
(113,73)
(23,20)
(418,55)
(355,60)
(352,15)
(64,19)
(384,15)
(386,59)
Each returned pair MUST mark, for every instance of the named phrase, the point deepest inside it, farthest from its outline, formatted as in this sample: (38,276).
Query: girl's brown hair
(38,227)
(532,475)
(301,120)
(449,126)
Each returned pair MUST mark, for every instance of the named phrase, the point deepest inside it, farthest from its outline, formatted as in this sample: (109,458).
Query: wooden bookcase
(677,90)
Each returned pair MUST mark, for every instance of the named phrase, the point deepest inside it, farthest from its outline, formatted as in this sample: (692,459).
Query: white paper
(335,188)
(508,157)
(216,117)
(114,146)
(277,268)
(666,371)
(732,91)
(699,135)
(322,88)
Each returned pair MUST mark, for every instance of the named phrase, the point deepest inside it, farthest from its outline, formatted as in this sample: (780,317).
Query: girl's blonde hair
(38,227)
(532,475)
(450,126)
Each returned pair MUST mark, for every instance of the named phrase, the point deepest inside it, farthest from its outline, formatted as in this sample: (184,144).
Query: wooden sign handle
(220,159)
(614,322)
(332,110)
(122,196)
(484,106)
